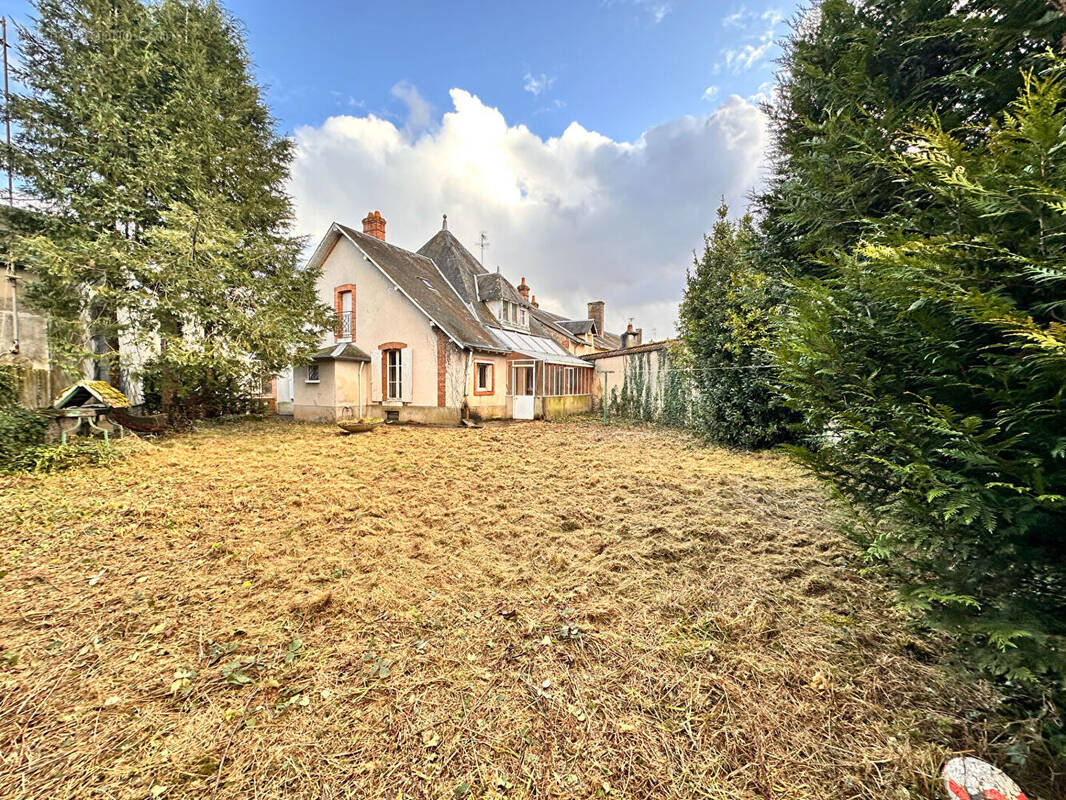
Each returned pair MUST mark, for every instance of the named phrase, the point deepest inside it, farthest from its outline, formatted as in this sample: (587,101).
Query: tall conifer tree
(143,133)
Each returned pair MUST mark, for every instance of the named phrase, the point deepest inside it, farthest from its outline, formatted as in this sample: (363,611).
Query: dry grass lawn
(275,610)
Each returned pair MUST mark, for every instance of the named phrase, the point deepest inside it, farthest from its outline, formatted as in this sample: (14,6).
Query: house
(432,336)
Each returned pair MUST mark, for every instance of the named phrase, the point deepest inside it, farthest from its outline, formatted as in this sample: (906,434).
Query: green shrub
(9,384)
(20,428)
(202,388)
(56,457)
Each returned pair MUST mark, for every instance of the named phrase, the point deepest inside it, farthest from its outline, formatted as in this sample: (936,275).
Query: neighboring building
(24,331)
(613,365)
(24,344)
(433,336)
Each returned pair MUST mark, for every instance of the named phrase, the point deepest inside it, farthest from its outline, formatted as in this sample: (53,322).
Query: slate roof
(462,270)
(455,261)
(493,286)
(578,327)
(612,341)
(345,351)
(542,320)
(423,282)
(450,286)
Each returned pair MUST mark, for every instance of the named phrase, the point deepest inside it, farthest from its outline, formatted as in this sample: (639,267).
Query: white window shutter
(374,389)
(405,374)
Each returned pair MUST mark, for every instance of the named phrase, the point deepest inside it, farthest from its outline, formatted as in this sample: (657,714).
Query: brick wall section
(442,368)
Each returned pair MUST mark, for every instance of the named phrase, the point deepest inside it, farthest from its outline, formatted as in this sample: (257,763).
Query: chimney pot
(374,225)
(534,302)
(523,289)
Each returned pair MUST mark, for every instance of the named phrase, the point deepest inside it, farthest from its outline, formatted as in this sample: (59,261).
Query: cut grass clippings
(275,610)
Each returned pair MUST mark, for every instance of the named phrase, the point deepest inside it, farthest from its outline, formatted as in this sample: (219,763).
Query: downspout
(13,280)
(359,388)
(466,377)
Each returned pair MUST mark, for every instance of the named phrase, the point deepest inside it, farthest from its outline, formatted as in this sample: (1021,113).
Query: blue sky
(617,67)
(592,139)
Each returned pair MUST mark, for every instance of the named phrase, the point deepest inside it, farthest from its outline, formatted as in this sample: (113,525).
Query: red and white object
(973,779)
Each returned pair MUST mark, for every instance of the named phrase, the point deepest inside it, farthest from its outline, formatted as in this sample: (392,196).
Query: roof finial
(444,227)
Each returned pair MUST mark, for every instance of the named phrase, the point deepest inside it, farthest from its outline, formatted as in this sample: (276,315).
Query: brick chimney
(596,315)
(534,302)
(633,336)
(374,225)
(523,290)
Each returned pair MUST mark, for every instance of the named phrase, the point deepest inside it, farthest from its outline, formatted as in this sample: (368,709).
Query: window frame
(317,376)
(491,372)
(339,293)
(394,374)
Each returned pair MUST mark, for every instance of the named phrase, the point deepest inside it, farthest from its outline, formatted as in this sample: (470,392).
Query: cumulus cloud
(710,93)
(581,216)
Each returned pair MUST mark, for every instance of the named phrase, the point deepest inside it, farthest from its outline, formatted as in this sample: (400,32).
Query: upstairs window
(344,306)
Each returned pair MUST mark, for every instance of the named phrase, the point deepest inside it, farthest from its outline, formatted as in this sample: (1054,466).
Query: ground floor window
(486,378)
(312,373)
(394,371)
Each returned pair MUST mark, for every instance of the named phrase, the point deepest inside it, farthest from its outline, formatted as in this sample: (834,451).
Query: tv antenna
(483,242)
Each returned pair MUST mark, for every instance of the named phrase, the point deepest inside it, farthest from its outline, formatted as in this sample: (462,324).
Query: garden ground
(536,610)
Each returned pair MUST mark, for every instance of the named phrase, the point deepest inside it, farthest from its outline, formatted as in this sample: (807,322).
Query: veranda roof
(536,347)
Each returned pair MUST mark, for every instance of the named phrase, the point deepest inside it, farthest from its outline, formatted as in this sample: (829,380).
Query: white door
(522,389)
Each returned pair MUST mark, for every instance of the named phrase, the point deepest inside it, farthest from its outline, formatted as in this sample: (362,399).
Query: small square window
(312,373)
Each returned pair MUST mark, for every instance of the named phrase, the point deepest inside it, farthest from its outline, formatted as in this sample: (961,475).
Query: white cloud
(419,111)
(537,85)
(748,56)
(582,216)
(765,93)
(657,9)
(759,28)
(710,93)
